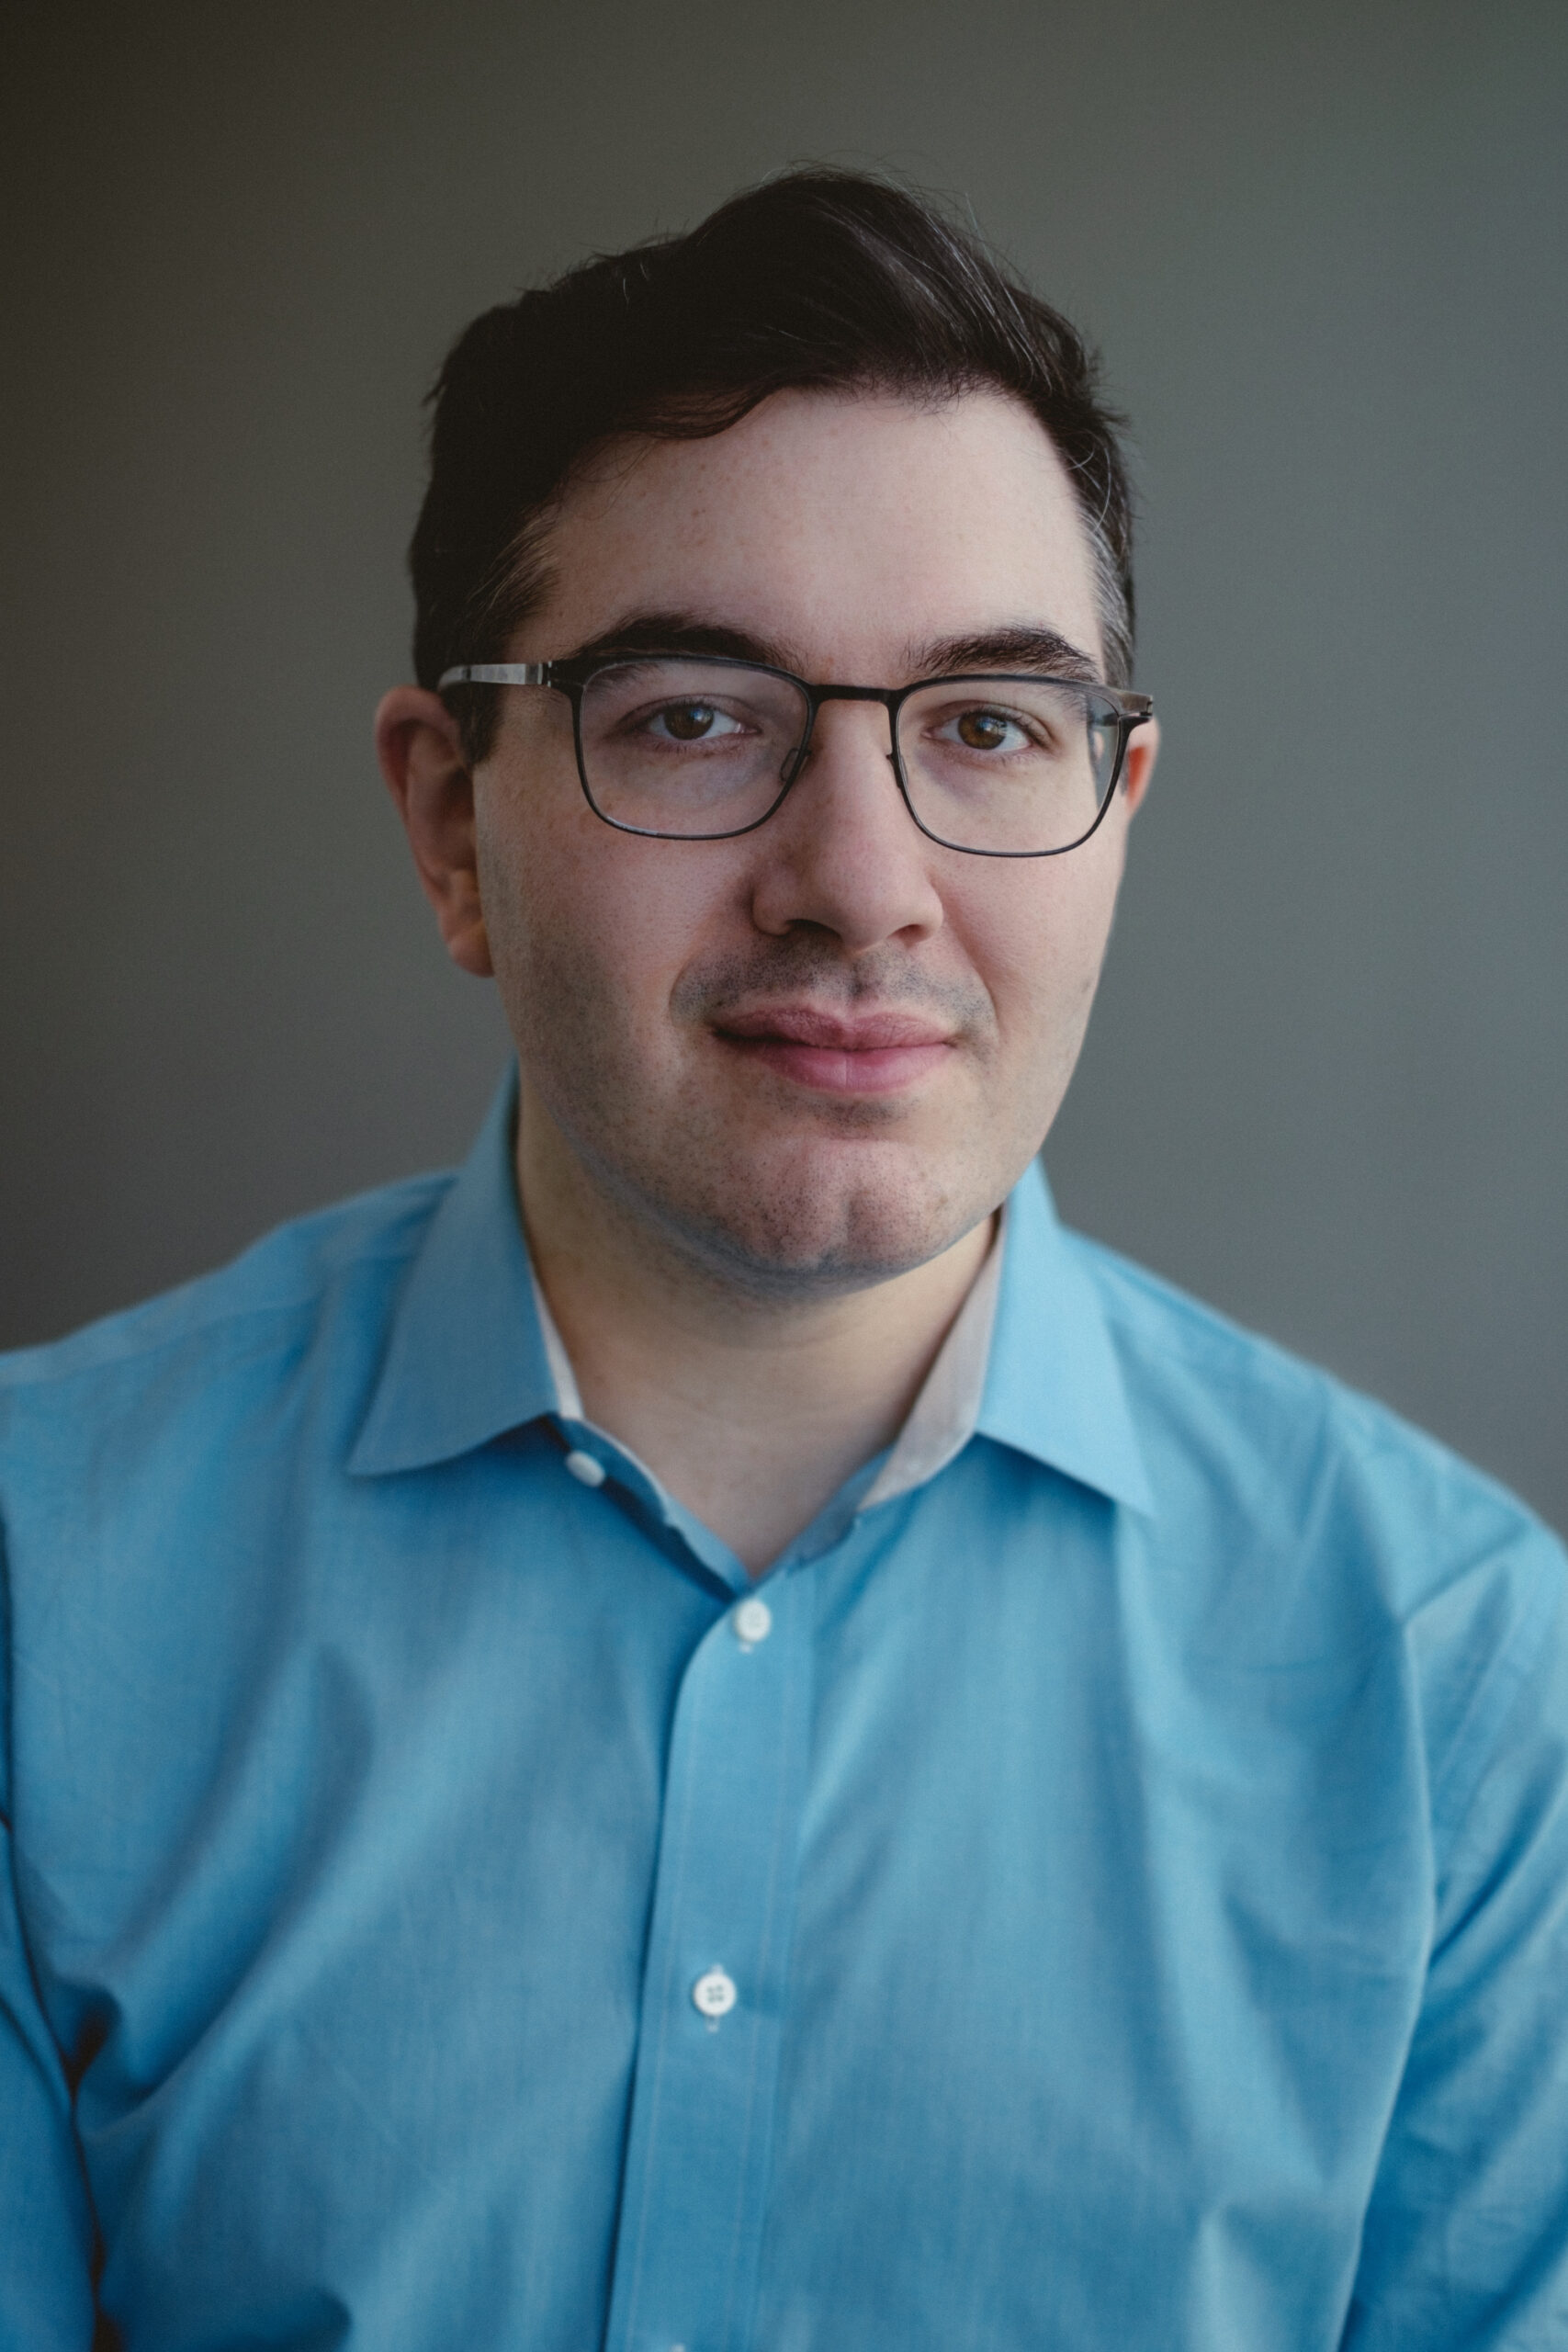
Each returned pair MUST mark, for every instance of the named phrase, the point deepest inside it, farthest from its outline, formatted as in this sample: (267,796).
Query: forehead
(844,531)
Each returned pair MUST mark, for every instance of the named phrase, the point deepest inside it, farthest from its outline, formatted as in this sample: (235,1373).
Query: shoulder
(1318,1539)
(330,1275)
(1272,1453)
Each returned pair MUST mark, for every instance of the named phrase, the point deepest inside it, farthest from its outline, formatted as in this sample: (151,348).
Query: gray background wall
(1322,247)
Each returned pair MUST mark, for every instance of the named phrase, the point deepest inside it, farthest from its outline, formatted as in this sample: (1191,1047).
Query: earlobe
(421,756)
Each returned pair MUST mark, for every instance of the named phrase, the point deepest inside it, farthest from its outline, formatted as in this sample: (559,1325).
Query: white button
(753,1622)
(714,1993)
(583,1468)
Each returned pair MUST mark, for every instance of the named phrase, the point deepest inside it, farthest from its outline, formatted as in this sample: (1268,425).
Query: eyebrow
(1024,645)
(683,633)
(1030,646)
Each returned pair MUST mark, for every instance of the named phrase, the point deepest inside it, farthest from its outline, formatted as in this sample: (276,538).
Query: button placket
(714,1986)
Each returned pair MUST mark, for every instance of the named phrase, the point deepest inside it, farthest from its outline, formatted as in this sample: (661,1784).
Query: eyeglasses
(694,747)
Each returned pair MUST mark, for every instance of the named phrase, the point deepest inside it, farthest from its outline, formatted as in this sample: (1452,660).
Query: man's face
(814,1056)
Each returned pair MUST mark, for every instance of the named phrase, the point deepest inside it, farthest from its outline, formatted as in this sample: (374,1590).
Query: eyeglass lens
(700,749)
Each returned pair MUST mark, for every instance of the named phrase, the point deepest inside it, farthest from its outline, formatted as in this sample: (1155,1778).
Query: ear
(422,759)
(1142,751)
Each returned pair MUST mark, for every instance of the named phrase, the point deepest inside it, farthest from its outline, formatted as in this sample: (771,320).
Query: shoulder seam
(1193,1318)
(53,1362)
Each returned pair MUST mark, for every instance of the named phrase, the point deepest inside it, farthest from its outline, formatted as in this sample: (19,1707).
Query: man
(712,1735)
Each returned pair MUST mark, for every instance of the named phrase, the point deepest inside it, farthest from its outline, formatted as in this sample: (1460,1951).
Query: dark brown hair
(816,280)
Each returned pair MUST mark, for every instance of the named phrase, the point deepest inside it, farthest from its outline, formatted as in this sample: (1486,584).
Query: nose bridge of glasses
(885,695)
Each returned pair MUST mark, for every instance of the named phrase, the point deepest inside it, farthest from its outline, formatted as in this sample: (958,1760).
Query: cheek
(1038,941)
(589,929)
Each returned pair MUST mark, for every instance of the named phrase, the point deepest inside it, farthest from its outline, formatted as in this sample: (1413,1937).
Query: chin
(827,1221)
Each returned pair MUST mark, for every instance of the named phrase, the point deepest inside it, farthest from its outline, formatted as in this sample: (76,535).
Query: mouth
(833,1052)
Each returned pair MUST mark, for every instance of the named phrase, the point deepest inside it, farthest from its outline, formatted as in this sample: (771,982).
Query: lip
(835,1053)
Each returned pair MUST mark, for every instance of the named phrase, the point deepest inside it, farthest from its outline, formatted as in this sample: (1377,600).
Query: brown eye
(687,721)
(982,731)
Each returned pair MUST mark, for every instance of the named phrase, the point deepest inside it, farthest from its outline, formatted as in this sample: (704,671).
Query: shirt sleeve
(46,2226)
(1465,2248)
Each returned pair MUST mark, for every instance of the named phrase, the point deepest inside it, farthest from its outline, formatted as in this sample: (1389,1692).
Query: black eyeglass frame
(573,677)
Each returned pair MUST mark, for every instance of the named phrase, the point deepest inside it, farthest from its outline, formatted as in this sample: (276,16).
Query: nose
(844,855)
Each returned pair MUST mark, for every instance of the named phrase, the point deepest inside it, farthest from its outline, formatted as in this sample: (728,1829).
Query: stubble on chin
(742,1180)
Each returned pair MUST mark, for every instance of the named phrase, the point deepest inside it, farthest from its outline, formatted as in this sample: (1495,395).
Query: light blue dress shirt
(1112,1898)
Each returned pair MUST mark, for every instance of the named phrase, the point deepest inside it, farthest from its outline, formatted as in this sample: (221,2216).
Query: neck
(751,1410)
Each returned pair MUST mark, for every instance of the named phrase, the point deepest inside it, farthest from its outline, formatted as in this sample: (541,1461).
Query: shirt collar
(473,1351)
(466,1358)
(944,1417)
(1054,1384)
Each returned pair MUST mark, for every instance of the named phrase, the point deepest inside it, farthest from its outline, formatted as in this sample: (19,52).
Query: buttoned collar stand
(473,1351)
